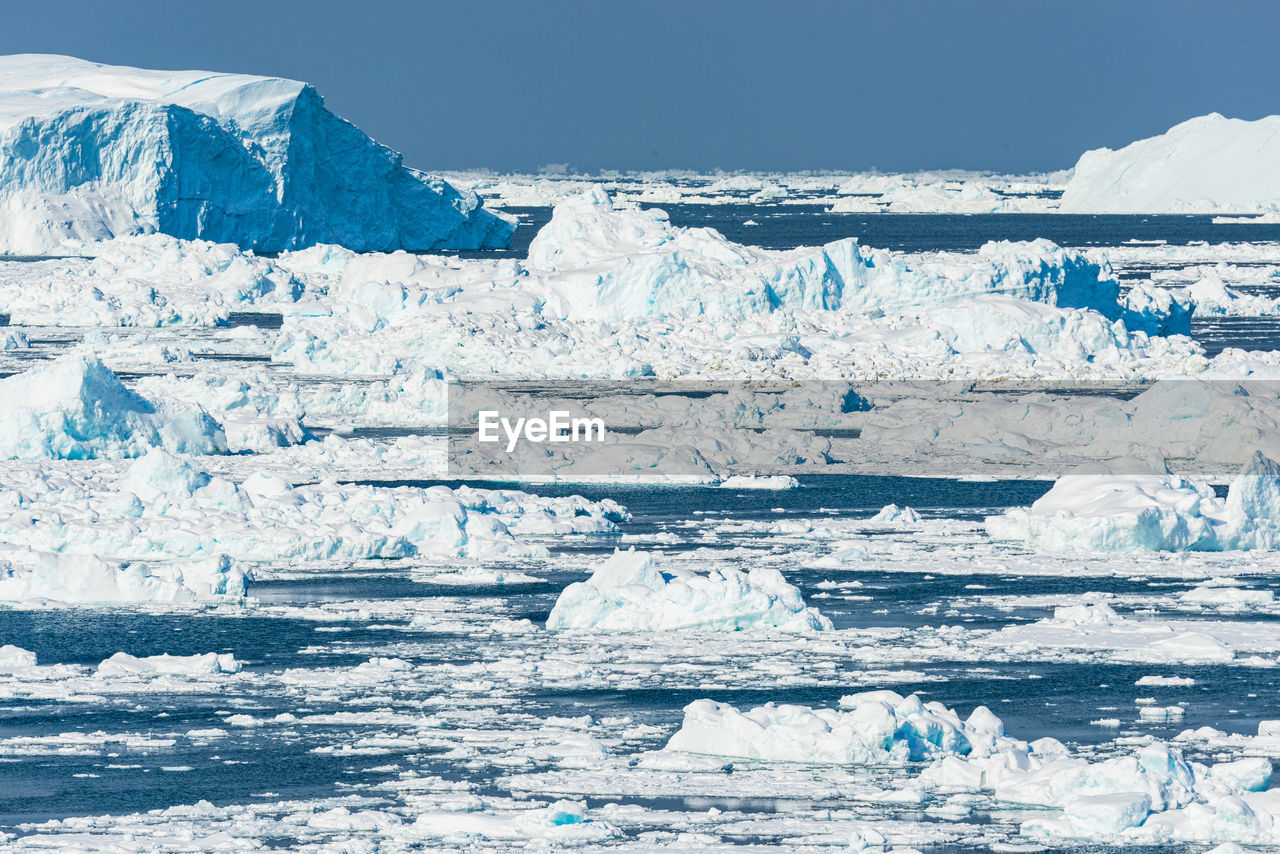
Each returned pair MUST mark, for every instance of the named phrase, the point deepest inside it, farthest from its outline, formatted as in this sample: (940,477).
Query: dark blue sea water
(789,226)
(1034,699)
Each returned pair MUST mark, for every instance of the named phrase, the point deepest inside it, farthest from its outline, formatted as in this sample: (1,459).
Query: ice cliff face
(91,151)
(1208,164)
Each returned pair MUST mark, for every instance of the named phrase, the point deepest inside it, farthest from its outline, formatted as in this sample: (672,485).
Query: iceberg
(80,579)
(1207,164)
(874,727)
(210,663)
(91,151)
(629,593)
(75,408)
(1138,509)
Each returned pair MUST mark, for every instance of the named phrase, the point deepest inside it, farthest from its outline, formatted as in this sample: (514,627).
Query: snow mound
(629,593)
(75,408)
(873,728)
(1149,511)
(1207,164)
(92,151)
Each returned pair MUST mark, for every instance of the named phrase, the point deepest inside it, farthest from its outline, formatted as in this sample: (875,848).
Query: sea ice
(869,728)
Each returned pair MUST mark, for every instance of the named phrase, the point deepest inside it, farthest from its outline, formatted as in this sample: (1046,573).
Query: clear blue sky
(1013,85)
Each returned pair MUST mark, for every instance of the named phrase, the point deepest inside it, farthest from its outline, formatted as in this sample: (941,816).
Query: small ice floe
(75,408)
(629,592)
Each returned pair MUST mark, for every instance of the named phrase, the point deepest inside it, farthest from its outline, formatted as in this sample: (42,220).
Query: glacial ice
(630,592)
(1146,510)
(1208,164)
(74,408)
(94,151)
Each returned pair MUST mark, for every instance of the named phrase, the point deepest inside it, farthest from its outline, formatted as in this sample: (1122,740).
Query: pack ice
(1207,164)
(1136,508)
(629,592)
(619,292)
(90,151)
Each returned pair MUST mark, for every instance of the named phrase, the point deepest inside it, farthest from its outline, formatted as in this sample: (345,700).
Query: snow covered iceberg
(1207,164)
(90,151)
(1141,509)
(628,592)
(75,408)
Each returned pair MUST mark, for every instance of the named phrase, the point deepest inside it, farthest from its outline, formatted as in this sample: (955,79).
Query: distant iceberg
(89,152)
(1208,164)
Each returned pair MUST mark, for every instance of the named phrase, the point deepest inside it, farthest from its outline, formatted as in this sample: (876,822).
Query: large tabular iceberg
(91,151)
(628,592)
(1206,164)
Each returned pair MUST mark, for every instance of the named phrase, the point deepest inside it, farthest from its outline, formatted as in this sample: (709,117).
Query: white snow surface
(91,151)
(1208,164)
(630,592)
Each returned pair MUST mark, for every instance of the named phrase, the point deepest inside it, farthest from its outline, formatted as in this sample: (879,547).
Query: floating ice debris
(85,579)
(756,481)
(123,664)
(164,508)
(630,592)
